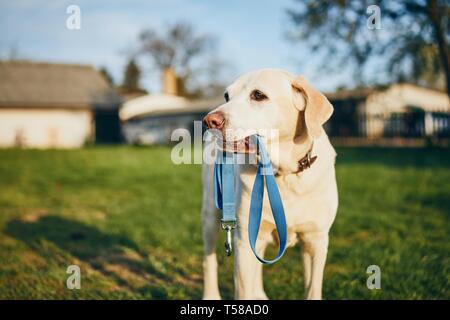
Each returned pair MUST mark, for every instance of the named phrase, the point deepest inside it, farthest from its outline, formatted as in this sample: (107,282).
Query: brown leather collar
(306,162)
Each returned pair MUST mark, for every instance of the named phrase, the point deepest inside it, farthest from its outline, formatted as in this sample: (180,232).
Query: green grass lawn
(131,220)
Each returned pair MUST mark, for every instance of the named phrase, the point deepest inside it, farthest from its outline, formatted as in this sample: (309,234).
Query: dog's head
(271,103)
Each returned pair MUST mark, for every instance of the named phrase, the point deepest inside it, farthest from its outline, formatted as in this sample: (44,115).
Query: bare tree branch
(415,44)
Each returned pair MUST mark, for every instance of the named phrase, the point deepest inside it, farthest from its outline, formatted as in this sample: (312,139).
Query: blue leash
(225,199)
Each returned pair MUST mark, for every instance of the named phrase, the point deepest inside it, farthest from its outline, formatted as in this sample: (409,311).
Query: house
(47,105)
(399,110)
(151,119)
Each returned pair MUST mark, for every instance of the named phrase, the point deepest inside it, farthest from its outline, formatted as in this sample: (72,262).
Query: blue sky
(251,34)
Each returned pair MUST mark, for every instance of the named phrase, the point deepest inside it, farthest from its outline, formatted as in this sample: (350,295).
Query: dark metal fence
(414,124)
(417,124)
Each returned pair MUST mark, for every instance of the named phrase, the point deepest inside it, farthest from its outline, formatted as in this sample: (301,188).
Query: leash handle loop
(265,173)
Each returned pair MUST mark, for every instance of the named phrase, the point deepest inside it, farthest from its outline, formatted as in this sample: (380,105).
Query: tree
(132,76)
(413,41)
(185,51)
(105,73)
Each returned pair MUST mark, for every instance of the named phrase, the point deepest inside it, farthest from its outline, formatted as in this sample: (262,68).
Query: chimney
(170,82)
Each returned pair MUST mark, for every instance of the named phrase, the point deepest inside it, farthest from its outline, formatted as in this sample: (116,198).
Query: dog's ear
(316,106)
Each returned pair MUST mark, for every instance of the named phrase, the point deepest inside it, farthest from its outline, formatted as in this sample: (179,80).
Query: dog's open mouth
(245,145)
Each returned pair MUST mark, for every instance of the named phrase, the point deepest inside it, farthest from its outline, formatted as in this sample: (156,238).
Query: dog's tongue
(250,145)
(240,146)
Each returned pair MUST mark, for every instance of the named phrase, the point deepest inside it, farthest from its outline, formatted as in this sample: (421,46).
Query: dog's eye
(226,96)
(258,95)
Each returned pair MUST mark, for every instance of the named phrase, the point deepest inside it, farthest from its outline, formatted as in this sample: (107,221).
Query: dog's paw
(212,297)
(261,296)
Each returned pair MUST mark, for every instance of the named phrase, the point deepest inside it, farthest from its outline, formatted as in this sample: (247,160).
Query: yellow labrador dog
(288,107)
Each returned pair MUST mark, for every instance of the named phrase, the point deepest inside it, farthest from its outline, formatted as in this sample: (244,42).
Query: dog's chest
(299,202)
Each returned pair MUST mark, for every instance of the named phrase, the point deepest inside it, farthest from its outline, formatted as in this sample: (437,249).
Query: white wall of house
(396,99)
(399,96)
(44,128)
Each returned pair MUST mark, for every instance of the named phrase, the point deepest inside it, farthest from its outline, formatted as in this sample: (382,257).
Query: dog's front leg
(259,293)
(245,267)
(211,231)
(314,252)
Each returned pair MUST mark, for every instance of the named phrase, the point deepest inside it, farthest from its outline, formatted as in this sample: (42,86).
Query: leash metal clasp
(228,227)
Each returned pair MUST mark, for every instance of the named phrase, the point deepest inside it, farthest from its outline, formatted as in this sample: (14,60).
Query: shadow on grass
(114,256)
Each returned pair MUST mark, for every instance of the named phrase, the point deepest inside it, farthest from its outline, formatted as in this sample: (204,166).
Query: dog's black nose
(215,120)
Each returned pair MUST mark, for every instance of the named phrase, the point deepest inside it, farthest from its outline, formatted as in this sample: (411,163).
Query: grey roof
(33,84)
(357,94)
(363,92)
(194,107)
